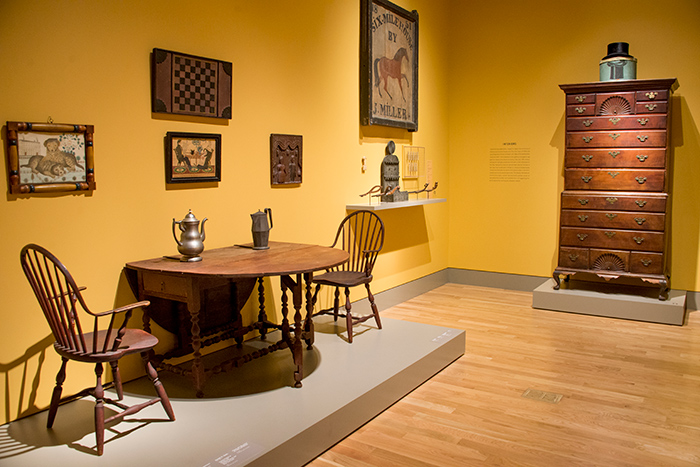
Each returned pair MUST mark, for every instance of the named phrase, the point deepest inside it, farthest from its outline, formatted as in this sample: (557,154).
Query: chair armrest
(122,309)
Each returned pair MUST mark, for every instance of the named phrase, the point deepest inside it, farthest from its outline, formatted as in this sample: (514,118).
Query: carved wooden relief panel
(285,159)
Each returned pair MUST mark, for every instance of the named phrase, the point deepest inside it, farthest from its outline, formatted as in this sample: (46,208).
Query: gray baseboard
(401,293)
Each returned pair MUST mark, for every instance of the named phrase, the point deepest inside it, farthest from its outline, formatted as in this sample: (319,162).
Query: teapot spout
(202,234)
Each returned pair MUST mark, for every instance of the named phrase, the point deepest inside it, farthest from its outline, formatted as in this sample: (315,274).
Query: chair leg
(153,376)
(336,304)
(348,314)
(57,390)
(375,311)
(117,378)
(99,410)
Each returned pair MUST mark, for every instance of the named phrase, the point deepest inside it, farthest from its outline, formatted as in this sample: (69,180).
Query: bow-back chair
(60,298)
(361,234)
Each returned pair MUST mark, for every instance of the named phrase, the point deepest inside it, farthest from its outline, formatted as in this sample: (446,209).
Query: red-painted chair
(361,234)
(59,297)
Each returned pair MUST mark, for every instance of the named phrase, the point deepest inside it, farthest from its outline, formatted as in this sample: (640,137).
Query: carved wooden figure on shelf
(390,176)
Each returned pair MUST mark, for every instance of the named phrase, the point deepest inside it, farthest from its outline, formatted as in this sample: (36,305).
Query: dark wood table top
(241,262)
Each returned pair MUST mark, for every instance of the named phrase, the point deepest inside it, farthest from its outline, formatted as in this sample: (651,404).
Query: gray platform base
(615,302)
(250,415)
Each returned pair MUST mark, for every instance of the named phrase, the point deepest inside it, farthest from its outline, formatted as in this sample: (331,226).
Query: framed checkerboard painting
(190,85)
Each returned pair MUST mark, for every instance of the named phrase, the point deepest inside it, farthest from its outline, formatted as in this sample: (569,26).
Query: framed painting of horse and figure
(389,65)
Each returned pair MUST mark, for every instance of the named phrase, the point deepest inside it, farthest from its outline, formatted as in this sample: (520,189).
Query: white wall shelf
(394,205)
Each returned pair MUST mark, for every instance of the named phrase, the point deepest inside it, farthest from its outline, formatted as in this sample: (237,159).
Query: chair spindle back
(361,234)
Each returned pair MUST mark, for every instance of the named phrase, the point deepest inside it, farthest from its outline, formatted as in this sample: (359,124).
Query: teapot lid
(190,217)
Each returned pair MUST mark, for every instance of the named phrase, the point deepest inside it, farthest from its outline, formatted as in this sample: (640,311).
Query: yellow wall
(488,74)
(295,71)
(503,86)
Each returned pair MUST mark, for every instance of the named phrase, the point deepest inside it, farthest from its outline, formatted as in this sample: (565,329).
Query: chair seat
(134,341)
(342,278)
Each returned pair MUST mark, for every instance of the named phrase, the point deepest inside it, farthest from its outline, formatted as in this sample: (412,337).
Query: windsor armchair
(361,234)
(60,299)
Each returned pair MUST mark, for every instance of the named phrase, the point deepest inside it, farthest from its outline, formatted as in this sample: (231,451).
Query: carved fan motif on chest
(615,105)
(609,262)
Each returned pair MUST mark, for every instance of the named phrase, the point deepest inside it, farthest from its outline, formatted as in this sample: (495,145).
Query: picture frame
(192,157)
(50,157)
(190,85)
(388,65)
(286,159)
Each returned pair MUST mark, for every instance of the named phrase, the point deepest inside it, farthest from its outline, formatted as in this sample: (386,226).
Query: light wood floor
(631,391)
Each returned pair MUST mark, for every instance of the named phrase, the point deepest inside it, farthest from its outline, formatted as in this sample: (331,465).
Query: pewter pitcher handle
(268,211)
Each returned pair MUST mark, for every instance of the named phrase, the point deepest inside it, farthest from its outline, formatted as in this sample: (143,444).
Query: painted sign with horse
(389,65)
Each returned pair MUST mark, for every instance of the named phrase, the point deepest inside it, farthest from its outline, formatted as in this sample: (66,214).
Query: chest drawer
(614,179)
(633,158)
(579,99)
(652,95)
(641,202)
(613,239)
(580,110)
(634,122)
(616,139)
(646,263)
(612,219)
(651,107)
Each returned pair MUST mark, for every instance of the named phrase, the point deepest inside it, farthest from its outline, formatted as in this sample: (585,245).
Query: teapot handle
(268,211)
(174,235)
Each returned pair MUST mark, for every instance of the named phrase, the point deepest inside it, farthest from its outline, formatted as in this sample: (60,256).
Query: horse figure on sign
(385,68)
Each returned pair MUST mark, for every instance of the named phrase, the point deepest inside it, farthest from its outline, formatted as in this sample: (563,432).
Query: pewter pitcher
(261,229)
(191,242)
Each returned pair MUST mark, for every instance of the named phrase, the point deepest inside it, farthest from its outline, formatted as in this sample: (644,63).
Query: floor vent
(544,396)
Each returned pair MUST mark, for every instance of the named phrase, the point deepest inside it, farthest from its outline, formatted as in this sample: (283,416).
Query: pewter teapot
(191,242)
(261,229)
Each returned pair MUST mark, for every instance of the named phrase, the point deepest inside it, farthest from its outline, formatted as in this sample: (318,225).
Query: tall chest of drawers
(615,207)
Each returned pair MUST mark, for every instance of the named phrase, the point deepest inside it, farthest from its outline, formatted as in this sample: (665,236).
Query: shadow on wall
(685,198)
(30,379)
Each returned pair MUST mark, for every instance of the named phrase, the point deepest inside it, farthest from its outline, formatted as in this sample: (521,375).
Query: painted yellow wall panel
(510,56)
(295,71)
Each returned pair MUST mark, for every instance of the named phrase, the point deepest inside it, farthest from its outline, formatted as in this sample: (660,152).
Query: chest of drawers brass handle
(614,154)
(642,138)
(613,174)
(614,120)
(641,203)
(573,257)
(640,220)
(643,121)
(611,200)
(651,95)
(638,240)
(587,139)
(587,123)
(587,157)
(646,262)
(586,179)
(642,157)
(580,99)
(640,180)
(614,136)
(582,237)
(610,234)
(580,109)
(582,217)
(583,202)
(650,107)
(611,216)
